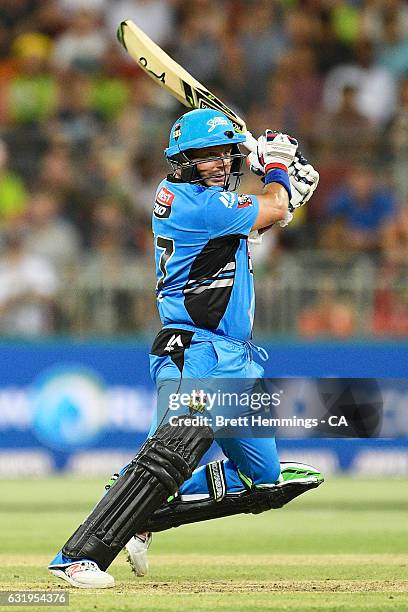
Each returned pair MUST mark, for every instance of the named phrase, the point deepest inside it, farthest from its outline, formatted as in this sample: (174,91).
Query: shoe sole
(79,585)
(129,559)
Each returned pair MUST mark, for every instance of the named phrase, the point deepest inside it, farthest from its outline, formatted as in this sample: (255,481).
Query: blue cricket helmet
(203,127)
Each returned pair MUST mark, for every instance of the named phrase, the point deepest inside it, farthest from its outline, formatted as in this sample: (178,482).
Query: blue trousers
(205,356)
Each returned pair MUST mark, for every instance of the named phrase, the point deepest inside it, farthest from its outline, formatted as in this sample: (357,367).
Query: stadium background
(82,133)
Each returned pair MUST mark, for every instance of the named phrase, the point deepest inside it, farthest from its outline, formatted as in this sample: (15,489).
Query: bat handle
(250,142)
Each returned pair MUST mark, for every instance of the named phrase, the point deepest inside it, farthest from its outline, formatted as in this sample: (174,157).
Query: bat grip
(250,142)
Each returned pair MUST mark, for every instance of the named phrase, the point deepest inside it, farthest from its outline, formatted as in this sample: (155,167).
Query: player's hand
(303,178)
(303,181)
(275,150)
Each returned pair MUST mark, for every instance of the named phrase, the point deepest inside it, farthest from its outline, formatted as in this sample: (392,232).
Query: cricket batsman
(205,297)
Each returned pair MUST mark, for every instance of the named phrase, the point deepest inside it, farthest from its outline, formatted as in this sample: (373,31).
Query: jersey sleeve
(230,213)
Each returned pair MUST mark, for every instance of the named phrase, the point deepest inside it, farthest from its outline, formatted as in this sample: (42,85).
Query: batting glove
(303,181)
(303,178)
(275,150)
(253,164)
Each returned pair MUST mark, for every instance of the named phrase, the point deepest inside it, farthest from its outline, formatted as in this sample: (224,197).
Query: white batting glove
(303,181)
(275,150)
(288,218)
(303,178)
(255,237)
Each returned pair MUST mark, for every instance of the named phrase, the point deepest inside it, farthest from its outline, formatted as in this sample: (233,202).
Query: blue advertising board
(86,407)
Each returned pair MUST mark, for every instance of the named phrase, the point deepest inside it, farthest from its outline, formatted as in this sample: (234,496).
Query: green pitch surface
(343,546)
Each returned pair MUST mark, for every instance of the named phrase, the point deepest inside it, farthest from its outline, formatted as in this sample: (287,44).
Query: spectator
(376,87)
(262,41)
(68,7)
(28,287)
(109,93)
(113,275)
(50,236)
(390,317)
(18,14)
(32,92)
(112,225)
(82,45)
(397,138)
(393,51)
(198,46)
(345,19)
(85,134)
(331,314)
(30,98)
(395,239)
(125,228)
(147,176)
(56,168)
(390,312)
(13,194)
(372,18)
(155,17)
(302,27)
(330,51)
(359,214)
(277,111)
(125,131)
(334,131)
(76,121)
(299,67)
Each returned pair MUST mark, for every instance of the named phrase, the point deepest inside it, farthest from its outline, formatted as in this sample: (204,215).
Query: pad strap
(216,481)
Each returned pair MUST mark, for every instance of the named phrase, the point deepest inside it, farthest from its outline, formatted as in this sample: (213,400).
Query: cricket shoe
(299,473)
(136,553)
(83,574)
(296,479)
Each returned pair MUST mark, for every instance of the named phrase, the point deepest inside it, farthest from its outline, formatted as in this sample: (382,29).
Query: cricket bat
(175,79)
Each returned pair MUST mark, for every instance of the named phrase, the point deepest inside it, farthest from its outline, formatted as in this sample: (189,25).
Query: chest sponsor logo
(162,205)
(244,201)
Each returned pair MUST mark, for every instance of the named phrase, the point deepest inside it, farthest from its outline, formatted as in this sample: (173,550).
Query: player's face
(213,171)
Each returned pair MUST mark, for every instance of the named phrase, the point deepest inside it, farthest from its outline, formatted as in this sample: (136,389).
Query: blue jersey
(203,264)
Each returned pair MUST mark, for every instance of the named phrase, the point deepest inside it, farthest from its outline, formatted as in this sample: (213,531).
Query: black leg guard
(162,465)
(219,504)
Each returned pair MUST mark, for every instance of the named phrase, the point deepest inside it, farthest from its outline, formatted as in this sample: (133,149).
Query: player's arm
(273,206)
(229,214)
(275,153)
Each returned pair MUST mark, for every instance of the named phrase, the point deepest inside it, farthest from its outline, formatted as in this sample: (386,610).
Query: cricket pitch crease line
(163,560)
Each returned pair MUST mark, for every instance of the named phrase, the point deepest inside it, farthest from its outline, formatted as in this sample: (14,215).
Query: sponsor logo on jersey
(212,123)
(244,201)
(227,199)
(162,205)
(175,341)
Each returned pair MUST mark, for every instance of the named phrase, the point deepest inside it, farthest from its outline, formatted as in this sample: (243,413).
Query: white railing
(307,286)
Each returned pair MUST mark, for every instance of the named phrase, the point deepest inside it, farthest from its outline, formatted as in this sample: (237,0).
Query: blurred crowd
(82,134)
